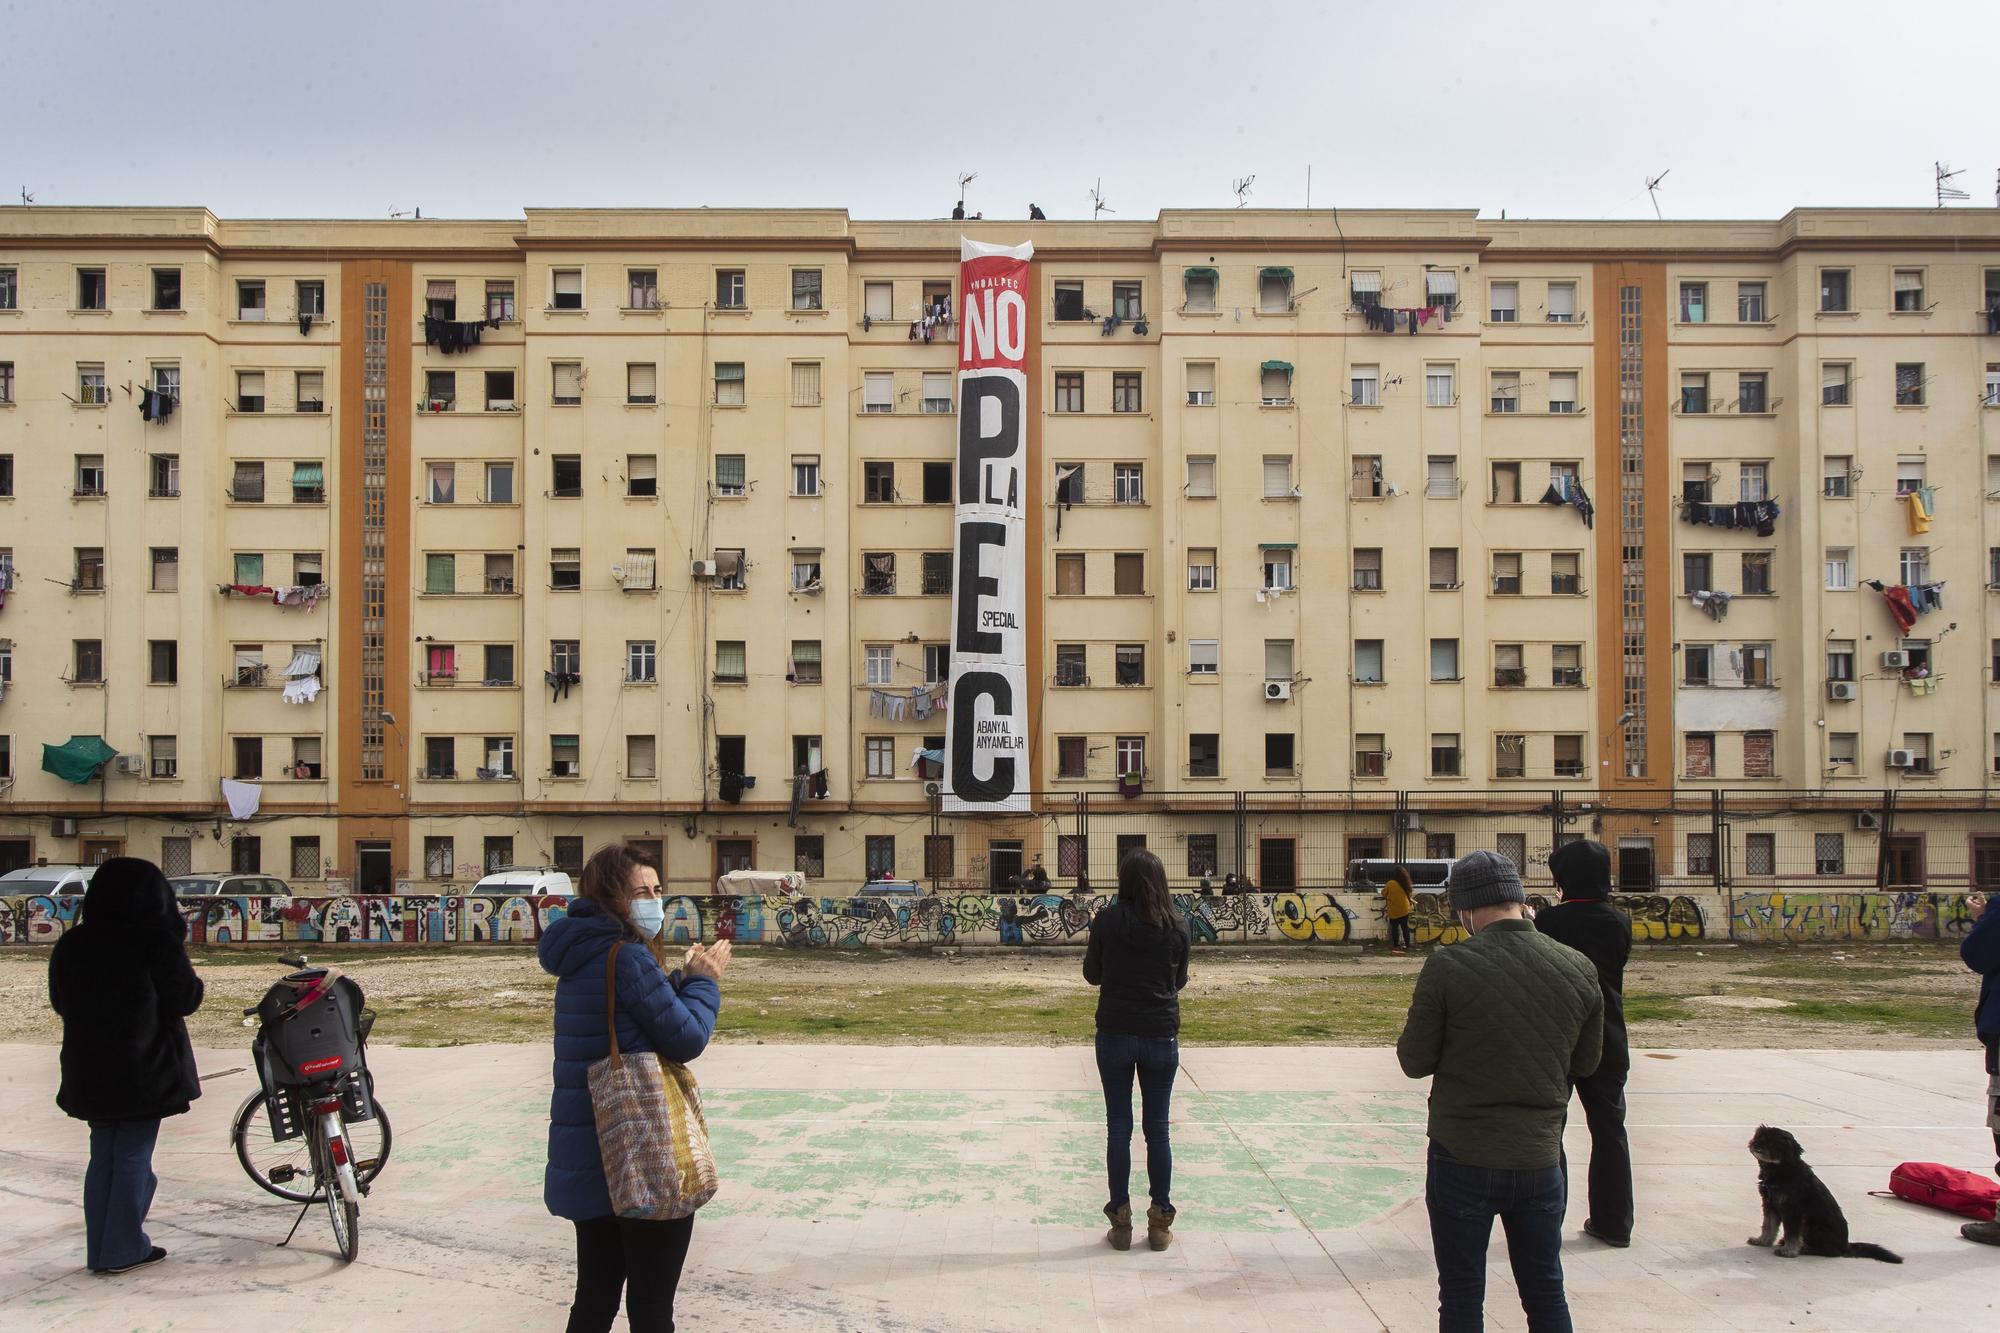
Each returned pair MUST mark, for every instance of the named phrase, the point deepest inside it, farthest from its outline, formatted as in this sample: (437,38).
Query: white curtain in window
(805,384)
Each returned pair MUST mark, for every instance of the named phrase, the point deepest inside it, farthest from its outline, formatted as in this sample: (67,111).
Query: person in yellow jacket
(1396,893)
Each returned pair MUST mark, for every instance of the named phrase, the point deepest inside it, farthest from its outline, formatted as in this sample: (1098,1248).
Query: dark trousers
(117,1192)
(1401,935)
(1993,1093)
(1463,1201)
(1155,1060)
(642,1258)
(1603,1098)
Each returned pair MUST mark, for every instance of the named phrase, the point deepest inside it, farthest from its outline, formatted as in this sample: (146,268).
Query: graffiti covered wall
(1022,920)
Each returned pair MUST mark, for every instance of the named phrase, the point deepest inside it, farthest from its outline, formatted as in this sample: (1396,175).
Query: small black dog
(1797,1198)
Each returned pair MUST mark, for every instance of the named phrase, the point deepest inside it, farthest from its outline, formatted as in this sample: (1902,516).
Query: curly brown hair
(606,881)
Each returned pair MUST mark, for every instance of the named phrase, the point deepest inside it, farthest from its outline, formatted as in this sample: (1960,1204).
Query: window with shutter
(878,391)
(641,383)
(805,384)
(568,383)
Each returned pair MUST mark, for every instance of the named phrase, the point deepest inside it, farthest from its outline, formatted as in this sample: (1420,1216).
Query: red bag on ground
(1966,1193)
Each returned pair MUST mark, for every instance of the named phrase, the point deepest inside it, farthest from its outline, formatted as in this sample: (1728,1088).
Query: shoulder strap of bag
(611,1002)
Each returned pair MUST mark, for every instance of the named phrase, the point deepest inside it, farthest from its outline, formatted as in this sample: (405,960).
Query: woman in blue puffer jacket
(670,1014)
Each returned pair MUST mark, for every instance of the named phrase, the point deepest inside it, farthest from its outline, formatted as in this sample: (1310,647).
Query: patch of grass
(1926,1018)
(1651,1008)
(1802,970)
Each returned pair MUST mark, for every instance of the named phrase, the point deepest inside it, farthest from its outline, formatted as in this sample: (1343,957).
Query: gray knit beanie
(1483,878)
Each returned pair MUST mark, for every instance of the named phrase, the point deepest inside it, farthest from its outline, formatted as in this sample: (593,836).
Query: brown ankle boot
(1120,1234)
(1160,1227)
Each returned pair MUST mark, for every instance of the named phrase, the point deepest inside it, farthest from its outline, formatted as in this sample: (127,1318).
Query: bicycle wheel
(286,1168)
(344,1213)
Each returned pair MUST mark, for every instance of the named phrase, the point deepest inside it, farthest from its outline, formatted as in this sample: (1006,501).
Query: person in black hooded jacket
(1586,921)
(1138,958)
(122,982)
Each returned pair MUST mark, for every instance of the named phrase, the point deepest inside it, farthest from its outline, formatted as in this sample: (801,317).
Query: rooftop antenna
(399,212)
(1242,189)
(1946,191)
(1097,204)
(1653,192)
(965,178)
(26,198)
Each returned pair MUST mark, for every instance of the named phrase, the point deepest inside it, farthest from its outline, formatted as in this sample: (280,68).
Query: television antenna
(26,198)
(1241,188)
(965,178)
(1097,204)
(1653,192)
(1946,191)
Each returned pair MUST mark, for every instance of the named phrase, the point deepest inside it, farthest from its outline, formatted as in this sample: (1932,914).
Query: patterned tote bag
(650,1131)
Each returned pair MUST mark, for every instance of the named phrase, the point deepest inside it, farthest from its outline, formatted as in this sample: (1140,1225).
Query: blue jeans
(1463,1201)
(117,1190)
(1155,1060)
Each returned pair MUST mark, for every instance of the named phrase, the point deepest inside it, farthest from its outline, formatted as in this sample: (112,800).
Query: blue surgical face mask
(648,914)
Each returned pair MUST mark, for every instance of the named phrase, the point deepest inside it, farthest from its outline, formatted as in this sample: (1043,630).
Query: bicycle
(313,1132)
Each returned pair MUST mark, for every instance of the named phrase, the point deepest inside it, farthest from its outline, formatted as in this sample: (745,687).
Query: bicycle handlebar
(298,962)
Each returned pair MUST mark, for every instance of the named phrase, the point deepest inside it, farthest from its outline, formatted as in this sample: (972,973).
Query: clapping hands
(703,961)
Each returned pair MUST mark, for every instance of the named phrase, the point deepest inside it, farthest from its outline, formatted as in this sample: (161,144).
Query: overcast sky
(274,108)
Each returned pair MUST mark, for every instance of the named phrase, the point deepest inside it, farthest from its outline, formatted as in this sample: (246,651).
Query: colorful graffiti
(975,919)
(1315,917)
(1814,918)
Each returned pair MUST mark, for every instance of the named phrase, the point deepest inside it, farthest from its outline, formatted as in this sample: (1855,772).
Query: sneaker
(1590,1230)
(154,1257)
(1986,1233)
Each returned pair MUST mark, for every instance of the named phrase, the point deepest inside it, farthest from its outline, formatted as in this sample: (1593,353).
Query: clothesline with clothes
(156,406)
(1399,319)
(920,701)
(560,683)
(1715,603)
(1569,491)
(730,785)
(307,595)
(454,335)
(302,683)
(1921,504)
(1908,601)
(1759,514)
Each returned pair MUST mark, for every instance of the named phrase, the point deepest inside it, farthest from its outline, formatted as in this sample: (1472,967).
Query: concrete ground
(933,1188)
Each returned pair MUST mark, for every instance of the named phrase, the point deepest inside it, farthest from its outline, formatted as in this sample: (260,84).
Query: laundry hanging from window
(154,405)
(1568,490)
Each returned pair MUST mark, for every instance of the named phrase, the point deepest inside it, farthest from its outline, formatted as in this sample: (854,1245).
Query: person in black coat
(122,982)
(1138,959)
(1588,923)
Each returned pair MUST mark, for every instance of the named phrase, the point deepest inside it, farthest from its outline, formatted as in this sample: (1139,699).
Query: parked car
(528,881)
(890,888)
(761,884)
(229,886)
(37,880)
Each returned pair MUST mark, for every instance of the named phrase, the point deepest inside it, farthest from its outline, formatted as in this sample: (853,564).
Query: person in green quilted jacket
(1502,1024)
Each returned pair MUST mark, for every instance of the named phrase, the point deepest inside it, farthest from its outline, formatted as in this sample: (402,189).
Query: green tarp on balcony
(77,759)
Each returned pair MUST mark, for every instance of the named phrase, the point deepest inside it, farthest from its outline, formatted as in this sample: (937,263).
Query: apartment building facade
(453,544)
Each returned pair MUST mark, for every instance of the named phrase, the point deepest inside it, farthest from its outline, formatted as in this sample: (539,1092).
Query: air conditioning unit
(1277,689)
(1895,660)
(1842,691)
(131,764)
(1901,758)
(1410,821)
(702,569)
(1867,819)
(62,826)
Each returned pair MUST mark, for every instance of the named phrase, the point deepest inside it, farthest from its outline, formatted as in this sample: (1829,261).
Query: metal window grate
(1632,528)
(374,526)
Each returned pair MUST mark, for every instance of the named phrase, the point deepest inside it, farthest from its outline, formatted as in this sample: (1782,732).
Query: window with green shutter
(440,573)
(250,571)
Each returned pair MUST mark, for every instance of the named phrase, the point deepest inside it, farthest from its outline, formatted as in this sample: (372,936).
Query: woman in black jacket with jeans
(1138,957)
(122,982)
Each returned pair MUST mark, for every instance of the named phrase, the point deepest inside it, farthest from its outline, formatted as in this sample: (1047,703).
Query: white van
(1427,875)
(528,881)
(35,880)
